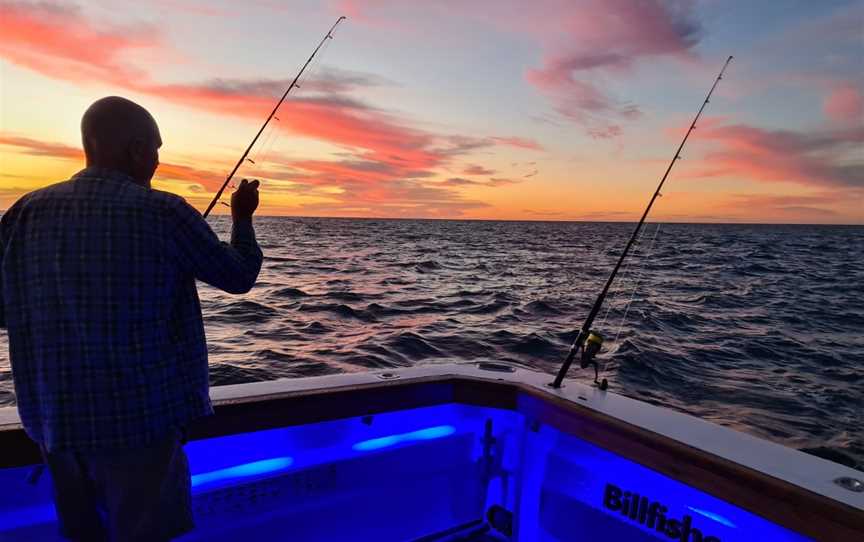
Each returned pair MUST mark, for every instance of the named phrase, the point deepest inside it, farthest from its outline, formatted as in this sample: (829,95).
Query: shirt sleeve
(230,267)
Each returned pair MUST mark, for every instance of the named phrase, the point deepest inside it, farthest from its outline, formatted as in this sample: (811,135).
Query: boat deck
(476,531)
(438,454)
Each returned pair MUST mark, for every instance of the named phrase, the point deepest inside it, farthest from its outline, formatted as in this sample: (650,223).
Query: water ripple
(754,327)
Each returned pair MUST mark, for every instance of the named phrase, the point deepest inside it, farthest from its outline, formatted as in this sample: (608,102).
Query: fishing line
(293,84)
(625,274)
(638,271)
(253,166)
(256,165)
(589,342)
(266,148)
(638,279)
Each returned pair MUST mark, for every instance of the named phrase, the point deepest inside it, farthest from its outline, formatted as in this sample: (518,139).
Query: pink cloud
(585,44)
(816,158)
(609,131)
(520,142)
(602,40)
(80,51)
(55,39)
(844,104)
(384,148)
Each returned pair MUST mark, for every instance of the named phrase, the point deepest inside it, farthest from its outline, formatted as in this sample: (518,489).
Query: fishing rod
(589,341)
(294,84)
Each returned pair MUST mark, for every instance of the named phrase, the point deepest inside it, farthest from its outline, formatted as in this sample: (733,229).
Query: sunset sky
(492,109)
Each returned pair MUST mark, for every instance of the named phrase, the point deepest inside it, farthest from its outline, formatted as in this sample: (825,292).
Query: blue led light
(422,434)
(243,471)
(562,478)
(711,515)
(376,443)
(431,433)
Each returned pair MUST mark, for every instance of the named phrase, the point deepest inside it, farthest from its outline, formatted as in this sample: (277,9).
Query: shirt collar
(103,174)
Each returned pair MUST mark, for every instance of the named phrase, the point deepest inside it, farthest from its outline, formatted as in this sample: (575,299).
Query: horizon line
(577,220)
(564,220)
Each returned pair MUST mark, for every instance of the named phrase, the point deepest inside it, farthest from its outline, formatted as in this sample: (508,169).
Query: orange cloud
(357,182)
(383,148)
(353,187)
(34,147)
(371,133)
(166,171)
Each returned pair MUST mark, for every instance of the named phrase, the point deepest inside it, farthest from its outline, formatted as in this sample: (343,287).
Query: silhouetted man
(97,290)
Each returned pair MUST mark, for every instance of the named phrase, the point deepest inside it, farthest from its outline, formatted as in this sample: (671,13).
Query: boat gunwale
(585,412)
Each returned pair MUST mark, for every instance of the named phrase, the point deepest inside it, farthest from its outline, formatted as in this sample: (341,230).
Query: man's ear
(91,148)
(137,149)
(88,147)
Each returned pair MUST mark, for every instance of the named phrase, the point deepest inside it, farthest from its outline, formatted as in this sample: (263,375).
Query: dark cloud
(330,81)
(459,181)
(474,169)
(500,181)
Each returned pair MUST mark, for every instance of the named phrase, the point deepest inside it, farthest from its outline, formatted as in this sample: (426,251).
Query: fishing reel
(590,345)
(590,349)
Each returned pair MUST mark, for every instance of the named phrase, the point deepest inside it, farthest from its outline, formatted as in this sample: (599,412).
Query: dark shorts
(123,495)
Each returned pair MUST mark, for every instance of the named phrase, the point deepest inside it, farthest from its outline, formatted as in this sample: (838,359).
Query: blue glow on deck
(434,472)
(423,434)
(14,518)
(716,517)
(243,471)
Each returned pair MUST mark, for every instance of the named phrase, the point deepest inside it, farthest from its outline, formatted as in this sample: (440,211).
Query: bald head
(121,135)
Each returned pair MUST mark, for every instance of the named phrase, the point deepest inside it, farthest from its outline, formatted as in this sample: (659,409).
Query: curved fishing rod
(218,195)
(589,341)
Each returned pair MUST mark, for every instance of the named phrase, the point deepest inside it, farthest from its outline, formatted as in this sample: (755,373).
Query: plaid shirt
(97,283)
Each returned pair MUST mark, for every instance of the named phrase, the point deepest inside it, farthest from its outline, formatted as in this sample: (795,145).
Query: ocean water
(757,327)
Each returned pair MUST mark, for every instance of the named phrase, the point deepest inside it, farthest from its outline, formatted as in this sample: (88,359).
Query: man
(106,339)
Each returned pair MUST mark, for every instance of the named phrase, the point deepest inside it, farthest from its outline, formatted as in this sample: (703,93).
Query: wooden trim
(781,502)
(322,406)
(277,410)
(778,501)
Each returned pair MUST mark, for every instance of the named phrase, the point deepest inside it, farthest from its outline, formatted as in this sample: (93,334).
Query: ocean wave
(754,327)
(413,346)
(340,309)
(289,292)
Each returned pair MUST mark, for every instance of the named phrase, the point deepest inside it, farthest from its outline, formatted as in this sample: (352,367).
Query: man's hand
(244,200)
